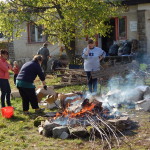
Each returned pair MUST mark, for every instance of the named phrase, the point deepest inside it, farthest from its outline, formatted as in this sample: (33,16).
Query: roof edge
(135,2)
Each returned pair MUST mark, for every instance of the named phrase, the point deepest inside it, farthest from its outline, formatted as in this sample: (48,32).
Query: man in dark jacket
(45,53)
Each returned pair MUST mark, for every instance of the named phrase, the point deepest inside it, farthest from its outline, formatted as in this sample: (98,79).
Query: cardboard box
(41,93)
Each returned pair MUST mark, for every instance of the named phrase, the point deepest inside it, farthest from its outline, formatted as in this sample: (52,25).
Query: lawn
(19,132)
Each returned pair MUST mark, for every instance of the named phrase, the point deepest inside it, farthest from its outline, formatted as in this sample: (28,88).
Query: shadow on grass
(16,118)
(131,130)
(34,115)
(31,115)
(19,116)
(129,133)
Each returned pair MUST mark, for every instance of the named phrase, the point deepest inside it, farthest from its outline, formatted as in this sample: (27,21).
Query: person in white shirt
(92,56)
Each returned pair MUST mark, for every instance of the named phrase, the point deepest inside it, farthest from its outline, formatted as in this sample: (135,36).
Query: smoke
(127,91)
(142,57)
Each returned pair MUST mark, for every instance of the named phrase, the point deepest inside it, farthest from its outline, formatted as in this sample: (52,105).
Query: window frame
(36,35)
(117,28)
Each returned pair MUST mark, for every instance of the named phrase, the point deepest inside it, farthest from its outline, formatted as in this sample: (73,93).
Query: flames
(86,108)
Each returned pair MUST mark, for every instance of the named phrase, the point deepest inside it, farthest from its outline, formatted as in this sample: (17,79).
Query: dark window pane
(39,34)
(32,33)
(122,30)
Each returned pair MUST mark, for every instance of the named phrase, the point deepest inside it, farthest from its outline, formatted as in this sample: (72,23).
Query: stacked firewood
(74,77)
(117,70)
(78,76)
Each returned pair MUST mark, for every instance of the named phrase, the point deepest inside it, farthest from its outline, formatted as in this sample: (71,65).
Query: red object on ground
(7,112)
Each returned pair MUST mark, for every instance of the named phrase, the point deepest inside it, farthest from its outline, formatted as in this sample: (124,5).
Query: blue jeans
(5,92)
(92,83)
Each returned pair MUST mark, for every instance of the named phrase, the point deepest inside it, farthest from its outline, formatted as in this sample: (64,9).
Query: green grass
(19,132)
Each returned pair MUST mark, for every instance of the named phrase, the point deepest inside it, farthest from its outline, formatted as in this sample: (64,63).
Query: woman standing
(4,76)
(25,83)
(92,56)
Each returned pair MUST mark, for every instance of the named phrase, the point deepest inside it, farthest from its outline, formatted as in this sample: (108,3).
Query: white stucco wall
(145,6)
(131,15)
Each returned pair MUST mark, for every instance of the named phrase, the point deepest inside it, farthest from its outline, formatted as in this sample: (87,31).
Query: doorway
(110,38)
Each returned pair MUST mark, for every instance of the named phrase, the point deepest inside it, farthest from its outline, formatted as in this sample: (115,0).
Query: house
(134,23)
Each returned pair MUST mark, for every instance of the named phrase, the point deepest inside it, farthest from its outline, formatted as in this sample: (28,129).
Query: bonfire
(84,117)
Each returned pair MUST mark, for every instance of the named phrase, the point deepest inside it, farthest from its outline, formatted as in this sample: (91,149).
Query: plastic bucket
(7,112)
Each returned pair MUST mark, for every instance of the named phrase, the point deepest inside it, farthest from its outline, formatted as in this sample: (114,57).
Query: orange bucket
(7,112)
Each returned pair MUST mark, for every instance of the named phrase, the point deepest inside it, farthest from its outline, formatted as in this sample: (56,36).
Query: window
(122,28)
(121,31)
(35,33)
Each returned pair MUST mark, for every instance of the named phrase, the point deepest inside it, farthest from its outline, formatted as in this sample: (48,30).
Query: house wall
(142,31)
(131,15)
(25,51)
(80,45)
(147,19)
(141,14)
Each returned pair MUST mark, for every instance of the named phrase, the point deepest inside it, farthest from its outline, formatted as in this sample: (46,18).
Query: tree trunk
(70,51)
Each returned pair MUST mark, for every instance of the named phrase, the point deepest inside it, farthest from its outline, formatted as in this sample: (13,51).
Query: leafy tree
(63,20)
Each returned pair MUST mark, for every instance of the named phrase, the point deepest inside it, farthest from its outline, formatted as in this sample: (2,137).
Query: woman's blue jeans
(92,83)
(5,92)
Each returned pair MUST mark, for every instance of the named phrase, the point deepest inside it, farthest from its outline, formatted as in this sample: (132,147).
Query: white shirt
(92,60)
